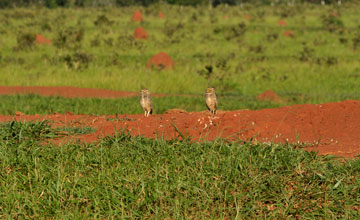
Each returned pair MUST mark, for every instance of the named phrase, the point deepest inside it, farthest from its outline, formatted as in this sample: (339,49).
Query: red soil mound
(282,23)
(161,15)
(331,128)
(269,95)
(140,33)
(289,33)
(160,61)
(137,16)
(42,40)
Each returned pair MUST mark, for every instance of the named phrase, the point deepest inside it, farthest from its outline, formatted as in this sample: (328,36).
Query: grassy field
(136,178)
(35,104)
(217,47)
(132,177)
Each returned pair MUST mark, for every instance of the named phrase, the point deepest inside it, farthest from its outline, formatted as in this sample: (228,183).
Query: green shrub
(25,41)
(331,22)
(77,60)
(103,20)
(69,38)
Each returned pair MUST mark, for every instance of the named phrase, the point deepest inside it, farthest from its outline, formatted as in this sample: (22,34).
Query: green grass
(243,64)
(35,104)
(25,131)
(133,177)
(75,130)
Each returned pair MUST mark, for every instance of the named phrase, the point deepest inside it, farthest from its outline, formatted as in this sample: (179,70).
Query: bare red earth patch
(42,40)
(161,15)
(137,16)
(140,33)
(160,61)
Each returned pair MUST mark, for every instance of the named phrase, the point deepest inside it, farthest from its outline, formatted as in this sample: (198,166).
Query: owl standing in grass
(211,100)
(146,101)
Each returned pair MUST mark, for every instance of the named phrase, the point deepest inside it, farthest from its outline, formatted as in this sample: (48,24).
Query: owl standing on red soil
(146,101)
(211,100)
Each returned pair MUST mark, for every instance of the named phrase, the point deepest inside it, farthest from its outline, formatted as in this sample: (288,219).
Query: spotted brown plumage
(211,100)
(146,102)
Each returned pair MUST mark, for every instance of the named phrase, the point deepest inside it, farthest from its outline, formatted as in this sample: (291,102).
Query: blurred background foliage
(122,3)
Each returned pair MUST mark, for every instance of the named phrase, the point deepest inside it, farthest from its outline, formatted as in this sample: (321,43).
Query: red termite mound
(269,95)
(160,61)
(42,40)
(137,16)
(140,33)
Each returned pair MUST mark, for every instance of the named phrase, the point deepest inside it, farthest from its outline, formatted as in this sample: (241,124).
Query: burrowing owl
(211,100)
(146,101)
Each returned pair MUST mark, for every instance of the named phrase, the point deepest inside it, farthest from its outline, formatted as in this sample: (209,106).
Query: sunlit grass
(35,104)
(194,40)
(134,177)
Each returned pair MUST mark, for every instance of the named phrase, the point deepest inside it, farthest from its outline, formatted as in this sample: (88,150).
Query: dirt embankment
(332,128)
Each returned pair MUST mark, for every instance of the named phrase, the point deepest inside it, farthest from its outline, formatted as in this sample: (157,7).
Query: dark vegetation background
(91,3)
